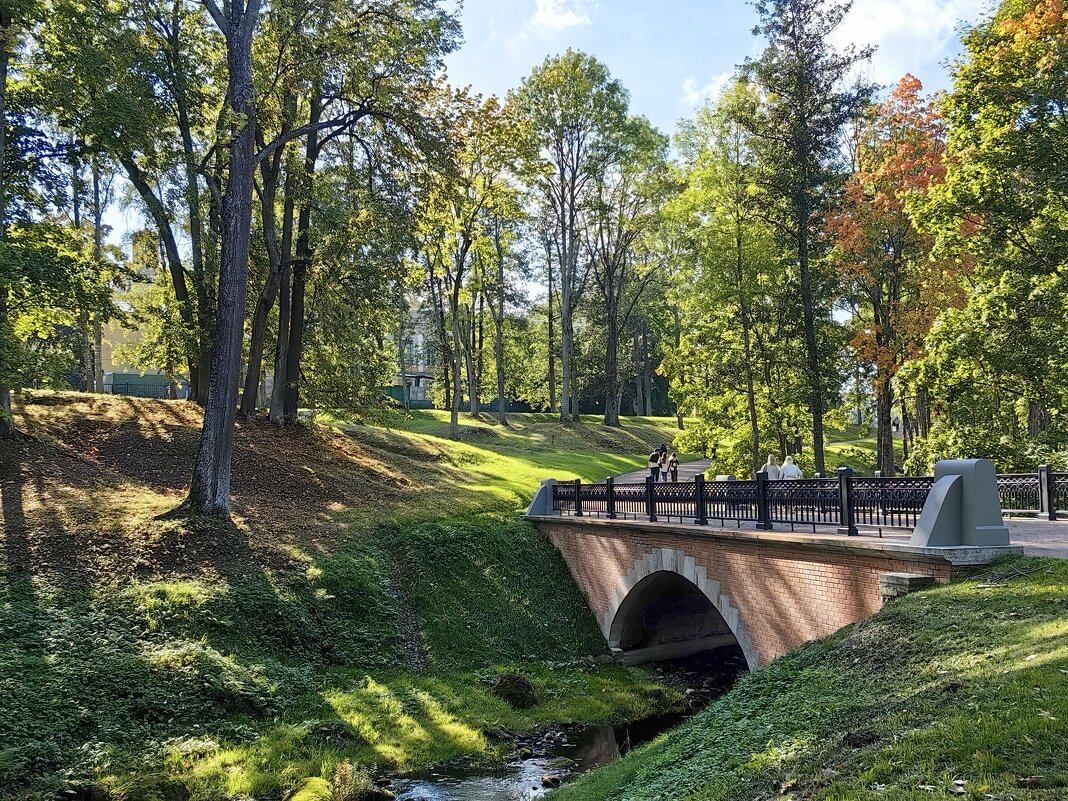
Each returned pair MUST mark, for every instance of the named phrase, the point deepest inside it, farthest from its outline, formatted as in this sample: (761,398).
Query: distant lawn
(957,692)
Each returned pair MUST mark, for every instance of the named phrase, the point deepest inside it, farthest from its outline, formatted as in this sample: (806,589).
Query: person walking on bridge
(772,468)
(791,471)
(673,466)
(654,464)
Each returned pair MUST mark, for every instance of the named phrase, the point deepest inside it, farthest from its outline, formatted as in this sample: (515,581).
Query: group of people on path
(787,471)
(662,466)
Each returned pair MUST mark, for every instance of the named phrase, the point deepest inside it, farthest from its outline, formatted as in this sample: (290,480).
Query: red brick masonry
(786,588)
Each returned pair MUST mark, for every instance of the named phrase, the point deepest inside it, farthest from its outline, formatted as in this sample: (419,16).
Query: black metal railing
(844,502)
(1042,493)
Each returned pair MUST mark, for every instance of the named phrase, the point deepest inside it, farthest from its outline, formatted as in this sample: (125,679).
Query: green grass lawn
(957,692)
(376,583)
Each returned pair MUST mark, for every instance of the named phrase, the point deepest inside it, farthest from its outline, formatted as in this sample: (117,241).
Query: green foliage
(996,367)
(966,683)
(244,685)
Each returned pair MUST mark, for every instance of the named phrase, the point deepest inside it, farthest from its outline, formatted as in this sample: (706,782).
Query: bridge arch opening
(665,616)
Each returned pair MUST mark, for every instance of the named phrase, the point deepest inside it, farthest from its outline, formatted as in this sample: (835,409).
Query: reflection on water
(577,752)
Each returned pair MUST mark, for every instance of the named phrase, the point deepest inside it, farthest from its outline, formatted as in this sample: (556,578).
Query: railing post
(845,499)
(763,513)
(1045,493)
(701,515)
(610,498)
(650,499)
(578,497)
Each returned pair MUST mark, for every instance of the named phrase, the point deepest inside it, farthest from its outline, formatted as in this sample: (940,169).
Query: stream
(563,753)
(567,755)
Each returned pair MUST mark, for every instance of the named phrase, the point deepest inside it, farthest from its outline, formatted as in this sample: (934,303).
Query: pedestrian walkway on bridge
(688,471)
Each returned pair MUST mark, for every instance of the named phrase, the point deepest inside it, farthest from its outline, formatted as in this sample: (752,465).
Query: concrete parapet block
(542,502)
(894,585)
(962,507)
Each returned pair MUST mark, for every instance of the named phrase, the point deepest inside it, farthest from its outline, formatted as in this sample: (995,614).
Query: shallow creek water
(569,752)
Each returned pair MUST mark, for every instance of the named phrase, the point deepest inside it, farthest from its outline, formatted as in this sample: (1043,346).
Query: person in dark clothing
(673,467)
(654,465)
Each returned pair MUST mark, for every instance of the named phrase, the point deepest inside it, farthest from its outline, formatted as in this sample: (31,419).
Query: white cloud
(551,16)
(694,94)
(911,35)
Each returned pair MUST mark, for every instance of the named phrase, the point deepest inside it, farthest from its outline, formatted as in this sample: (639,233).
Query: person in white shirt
(772,468)
(791,471)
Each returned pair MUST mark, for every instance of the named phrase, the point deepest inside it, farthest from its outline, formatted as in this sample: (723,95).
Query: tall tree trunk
(552,339)
(884,435)
(639,393)
(812,357)
(98,255)
(277,412)
(270,172)
(402,347)
(677,314)
(457,355)
(209,492)
(436,296)
(647,373)
(611,360)
(7,423)
(85,344)
(743,307)
(497,312)
(473,389)
(300,267)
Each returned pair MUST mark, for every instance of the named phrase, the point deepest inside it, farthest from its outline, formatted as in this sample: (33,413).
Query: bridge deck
(824,538)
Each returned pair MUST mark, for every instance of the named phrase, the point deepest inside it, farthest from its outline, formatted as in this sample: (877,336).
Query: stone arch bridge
(662,590)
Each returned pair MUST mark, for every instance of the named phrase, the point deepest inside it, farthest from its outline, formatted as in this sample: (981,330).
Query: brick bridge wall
(774,590)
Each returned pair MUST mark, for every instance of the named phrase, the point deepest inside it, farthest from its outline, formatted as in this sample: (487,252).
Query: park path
(687,472)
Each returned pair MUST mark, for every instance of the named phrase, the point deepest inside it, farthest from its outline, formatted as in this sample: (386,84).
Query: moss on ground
(957,692)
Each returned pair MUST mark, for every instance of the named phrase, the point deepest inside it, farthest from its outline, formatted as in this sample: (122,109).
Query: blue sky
(674,54)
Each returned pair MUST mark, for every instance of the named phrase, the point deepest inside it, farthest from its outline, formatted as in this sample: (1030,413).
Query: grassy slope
(958,692)
(376,580)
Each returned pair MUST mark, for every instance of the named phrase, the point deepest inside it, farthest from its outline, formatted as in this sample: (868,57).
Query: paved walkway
(687,472)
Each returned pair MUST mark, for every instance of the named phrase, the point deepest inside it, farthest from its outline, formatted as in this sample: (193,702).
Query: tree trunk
(552,339)
(611,360)
(639,393)
(7,423)
(743,308)
(209,492)
(457,355)
(436,292)
(402,360)
(812,358)
(884,434)
(300,268)
(277,412)
(678,343)
(270,172)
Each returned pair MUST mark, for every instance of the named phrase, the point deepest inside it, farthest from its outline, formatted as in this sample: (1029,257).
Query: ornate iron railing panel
(808,501)
(629,499)
(1059,490)
(1019,492)
(889,502)
(675,499)
(564,498)
(594,499)
(731,500)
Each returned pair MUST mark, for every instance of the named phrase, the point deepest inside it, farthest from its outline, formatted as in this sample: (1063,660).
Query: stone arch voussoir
(673,560)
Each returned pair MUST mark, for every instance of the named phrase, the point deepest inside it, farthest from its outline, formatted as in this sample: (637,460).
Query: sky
(673,55)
